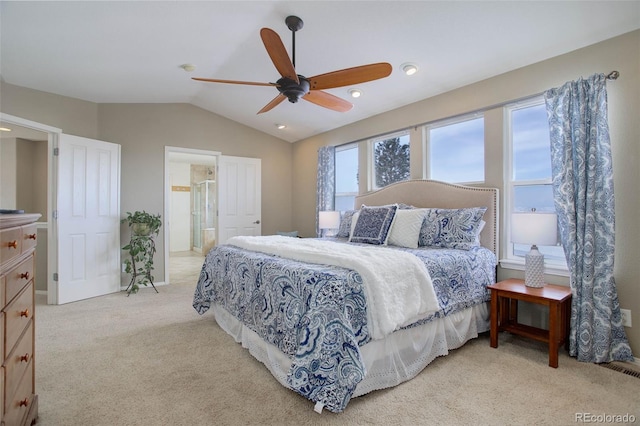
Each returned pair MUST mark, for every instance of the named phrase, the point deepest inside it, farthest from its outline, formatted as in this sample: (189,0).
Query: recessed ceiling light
(4,129)
(281,126)
(355,93)
(409,68)
(188,67)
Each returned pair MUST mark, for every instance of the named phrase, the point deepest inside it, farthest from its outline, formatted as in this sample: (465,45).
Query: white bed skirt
(395,359)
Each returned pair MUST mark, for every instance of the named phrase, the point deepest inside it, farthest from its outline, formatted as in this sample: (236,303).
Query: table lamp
(534,228)
(328,221)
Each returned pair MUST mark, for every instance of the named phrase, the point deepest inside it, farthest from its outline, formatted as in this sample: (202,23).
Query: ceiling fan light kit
(293,86)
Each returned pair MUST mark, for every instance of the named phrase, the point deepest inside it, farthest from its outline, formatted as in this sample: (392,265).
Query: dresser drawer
(17,406)
(29,236)
(17,316)
(17,362)
(18,277)
(10,243)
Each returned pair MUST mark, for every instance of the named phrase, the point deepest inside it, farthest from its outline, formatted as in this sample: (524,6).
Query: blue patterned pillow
(452,228)
(345,223)
(373,224)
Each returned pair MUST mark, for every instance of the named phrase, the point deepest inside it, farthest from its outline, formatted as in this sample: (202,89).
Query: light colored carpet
(150,359)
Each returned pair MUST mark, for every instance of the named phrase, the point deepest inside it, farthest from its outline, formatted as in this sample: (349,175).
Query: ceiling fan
(294,86)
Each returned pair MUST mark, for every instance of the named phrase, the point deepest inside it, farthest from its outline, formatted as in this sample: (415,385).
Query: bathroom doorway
(191,205)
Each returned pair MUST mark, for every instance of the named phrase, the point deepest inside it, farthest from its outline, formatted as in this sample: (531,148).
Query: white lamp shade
(329,220)
(534,228)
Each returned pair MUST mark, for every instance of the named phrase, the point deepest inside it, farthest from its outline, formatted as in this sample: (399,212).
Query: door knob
(257,222)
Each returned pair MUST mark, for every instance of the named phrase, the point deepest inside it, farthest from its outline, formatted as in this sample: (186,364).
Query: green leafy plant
(143,223)
(141,248)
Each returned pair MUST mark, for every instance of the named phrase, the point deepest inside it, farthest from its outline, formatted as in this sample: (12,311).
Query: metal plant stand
(142,249)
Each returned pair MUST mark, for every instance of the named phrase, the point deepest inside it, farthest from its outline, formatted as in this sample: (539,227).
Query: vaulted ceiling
(132,51)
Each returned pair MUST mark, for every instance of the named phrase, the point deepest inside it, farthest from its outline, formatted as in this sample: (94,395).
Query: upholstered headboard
(433,193)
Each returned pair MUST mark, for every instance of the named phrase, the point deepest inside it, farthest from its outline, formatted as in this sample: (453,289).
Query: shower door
(204,215)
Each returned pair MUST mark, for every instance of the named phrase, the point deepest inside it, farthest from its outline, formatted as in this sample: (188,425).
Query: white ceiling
(131,51)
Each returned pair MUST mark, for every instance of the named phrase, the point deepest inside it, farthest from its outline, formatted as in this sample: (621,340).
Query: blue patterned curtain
(582,175)
(326,184)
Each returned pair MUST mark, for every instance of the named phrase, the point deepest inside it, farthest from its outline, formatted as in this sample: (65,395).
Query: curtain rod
(613,75)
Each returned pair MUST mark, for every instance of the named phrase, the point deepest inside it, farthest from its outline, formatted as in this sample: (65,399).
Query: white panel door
(240,208)
(88,224)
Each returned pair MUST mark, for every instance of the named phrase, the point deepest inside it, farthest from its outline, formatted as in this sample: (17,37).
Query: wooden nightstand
(504,313)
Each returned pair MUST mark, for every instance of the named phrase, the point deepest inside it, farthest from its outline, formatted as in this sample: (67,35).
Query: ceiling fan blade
(278,54)
(327,100)
(251,83)
(274,102)
(349,76)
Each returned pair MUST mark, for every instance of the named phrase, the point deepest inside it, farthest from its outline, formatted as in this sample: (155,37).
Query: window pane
(345,202)
(531,146)
(347,170)
(527,197)
(456,151)
(391,160)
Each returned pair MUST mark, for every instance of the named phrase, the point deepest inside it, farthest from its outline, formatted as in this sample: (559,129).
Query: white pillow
(405,231)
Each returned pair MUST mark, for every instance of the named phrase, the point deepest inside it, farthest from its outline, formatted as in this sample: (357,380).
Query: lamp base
(534,268)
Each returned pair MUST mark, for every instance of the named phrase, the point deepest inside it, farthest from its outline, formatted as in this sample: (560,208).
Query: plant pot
(140,229)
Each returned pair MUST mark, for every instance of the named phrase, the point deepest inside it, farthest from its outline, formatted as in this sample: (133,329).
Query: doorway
(28,145)
(191,205)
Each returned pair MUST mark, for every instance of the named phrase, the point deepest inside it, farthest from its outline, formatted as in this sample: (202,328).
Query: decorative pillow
(345,223)
(373,225)
(405,230)
(451,228)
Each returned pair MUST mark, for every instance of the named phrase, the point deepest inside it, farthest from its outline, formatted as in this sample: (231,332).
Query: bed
(318,322)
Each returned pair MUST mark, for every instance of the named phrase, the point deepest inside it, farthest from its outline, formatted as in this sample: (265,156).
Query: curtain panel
(582,176)
(326,182)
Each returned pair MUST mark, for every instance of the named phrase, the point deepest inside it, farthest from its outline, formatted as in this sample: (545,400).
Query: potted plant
(141,248)
(143,223)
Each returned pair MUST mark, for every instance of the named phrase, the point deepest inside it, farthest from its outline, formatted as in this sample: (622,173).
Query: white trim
(517,264)
(53,135)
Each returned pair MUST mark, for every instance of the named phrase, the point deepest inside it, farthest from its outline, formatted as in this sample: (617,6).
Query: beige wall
(143,131)
(620,53)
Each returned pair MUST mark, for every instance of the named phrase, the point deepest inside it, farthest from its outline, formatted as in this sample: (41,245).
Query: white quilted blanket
(397,284)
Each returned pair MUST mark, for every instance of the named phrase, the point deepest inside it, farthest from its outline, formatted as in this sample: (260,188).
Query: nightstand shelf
(504,313)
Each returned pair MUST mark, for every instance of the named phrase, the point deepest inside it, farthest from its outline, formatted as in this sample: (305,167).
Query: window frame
(371,163)
(552,266)
(427,155)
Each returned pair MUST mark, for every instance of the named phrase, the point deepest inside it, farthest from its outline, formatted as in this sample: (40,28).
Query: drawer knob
(23,403)
(25,275)
(13,244)
(31,236)
(24,358)
(24,313)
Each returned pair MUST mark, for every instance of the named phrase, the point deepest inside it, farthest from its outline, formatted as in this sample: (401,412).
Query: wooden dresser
(18,238)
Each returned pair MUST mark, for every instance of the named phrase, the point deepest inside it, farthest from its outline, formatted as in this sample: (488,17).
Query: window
(390,160)
(346,176)
(530,172)
(455,150)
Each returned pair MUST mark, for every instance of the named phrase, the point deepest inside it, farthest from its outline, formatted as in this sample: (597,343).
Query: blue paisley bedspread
(316,314)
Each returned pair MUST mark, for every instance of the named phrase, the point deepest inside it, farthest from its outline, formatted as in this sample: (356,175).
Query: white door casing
(240,198)
(88,218)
